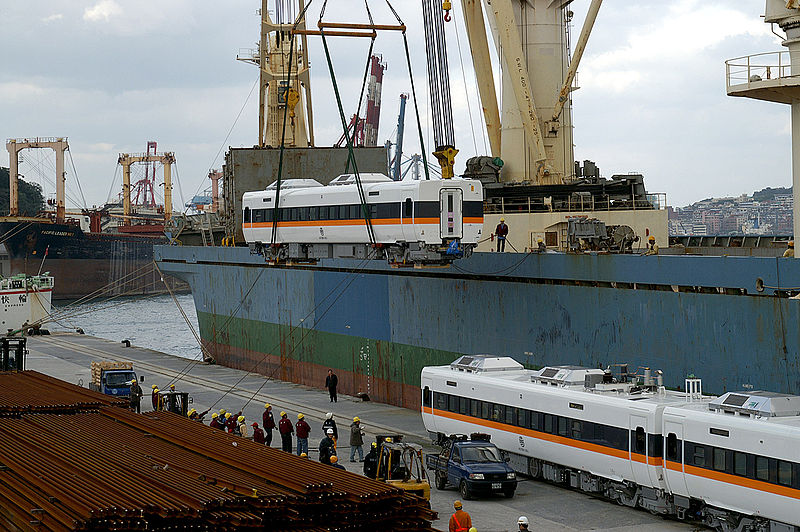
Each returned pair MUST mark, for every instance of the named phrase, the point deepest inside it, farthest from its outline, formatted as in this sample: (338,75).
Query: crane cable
(364,81)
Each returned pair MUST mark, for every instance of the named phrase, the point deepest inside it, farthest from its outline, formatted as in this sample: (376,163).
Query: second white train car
(687,455)
(425,221)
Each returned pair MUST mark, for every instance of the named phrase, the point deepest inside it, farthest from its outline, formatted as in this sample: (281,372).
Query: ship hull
(95,264)
(378,326)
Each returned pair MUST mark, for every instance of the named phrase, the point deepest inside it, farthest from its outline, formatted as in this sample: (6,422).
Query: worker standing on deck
(356,440)
(303,429)
(501,232)
(258,434)
(522,522)
(331,382)
(136,397)
(286,429)
(330,423)
(335,462)
(269,424)
(155,397)
(371,461)
(327,447)
(241,429)
(215,424)
(789,250)
(460,521)
(652,247)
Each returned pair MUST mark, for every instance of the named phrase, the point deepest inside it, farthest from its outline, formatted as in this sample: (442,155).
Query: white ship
(25,301)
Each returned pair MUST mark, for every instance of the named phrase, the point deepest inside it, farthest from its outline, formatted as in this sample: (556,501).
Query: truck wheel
(508,493)
(466,494)
(441,481)
(535,468)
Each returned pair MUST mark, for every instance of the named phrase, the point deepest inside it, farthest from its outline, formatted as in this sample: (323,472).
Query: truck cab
(117,382)
(474,466)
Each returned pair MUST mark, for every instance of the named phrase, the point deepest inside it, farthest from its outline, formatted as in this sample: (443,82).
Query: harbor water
(154,322)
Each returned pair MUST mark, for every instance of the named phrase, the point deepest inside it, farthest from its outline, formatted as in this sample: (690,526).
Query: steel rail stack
(82,463)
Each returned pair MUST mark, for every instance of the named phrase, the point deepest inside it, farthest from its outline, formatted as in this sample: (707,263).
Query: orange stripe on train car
(358,222)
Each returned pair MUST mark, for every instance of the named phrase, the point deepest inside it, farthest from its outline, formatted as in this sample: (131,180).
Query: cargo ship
(731,320)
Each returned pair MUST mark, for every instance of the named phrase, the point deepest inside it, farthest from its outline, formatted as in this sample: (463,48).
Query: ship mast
(276,67)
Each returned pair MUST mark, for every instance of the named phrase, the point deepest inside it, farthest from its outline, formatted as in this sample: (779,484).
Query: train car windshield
(480,454)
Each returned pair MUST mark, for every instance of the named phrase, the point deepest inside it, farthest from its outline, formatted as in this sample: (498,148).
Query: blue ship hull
(377,326)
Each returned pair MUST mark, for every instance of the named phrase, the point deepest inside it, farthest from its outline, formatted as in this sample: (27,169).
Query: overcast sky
(113,74)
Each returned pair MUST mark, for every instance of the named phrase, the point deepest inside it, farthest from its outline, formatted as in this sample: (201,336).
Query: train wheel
(441,481)
(466,494)
(535,468)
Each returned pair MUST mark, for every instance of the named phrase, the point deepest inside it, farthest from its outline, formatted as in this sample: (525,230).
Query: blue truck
(112,378)
(473,465)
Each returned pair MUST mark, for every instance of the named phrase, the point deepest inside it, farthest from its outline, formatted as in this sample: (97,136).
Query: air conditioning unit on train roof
(565,375)
(757,403)
(484,363)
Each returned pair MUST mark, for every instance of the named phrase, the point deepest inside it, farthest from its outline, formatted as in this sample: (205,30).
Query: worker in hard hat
(241,427)
(194,415)
(652,247)
(303,429)
(371,461)
(269,424)
(215,424)
(540,247)
(330,423)
(473,529)
(232,421)
(501,232)
(136,396)
(303,455)
(335,462)
(327,447)
(286,430)
(789,250)
(460,521)
(154,397)
(522,522)
(258,434)
(356,440)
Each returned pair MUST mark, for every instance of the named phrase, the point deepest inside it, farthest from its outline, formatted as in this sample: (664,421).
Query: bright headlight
(476,476)
(511,475)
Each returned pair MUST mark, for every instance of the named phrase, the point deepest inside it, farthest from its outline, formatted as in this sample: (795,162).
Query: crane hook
(447,6)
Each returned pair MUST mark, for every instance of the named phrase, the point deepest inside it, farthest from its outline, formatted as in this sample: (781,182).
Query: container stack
(110,469)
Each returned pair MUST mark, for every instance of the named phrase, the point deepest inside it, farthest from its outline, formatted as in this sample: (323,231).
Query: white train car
(426,221)
(623,440)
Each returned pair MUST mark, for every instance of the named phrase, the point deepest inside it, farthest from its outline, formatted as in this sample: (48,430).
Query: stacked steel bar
(31,391)
(112,469)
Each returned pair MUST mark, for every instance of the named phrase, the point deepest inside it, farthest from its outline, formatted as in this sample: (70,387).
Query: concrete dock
(68,357)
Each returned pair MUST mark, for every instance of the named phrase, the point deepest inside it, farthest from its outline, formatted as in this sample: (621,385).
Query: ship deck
(68,356)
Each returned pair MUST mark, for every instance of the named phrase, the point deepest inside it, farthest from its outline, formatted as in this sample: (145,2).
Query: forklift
(400,464)
(172,401)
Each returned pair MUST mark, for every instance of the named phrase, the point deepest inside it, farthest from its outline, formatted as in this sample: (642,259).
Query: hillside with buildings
(765,212)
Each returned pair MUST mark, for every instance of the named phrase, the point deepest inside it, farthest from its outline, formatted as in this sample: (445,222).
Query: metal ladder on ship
(207,240)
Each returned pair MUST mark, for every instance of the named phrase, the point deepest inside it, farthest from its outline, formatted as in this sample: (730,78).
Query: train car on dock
(730,461)
(426,221)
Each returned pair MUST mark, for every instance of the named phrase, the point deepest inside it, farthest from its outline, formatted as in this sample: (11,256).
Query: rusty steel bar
(334,33)
(349,26)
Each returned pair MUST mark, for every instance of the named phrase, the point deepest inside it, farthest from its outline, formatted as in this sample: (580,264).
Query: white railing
(758,68)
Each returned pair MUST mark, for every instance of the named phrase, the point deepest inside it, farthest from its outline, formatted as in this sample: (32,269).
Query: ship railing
(757,68)
(577,203)
(36,140)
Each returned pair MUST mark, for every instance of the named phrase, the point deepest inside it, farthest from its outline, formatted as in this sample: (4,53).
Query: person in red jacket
(269,424)
(303,429)
(231,421)
(286,429)
(501,232)
(460,521)
(258,434)
(215,424)
(154,397)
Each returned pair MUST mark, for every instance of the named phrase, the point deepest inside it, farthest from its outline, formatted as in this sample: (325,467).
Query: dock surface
(68,356)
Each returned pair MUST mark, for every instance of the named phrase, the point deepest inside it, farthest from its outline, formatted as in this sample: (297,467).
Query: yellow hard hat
(300,416)
(241,418)
(133,381)
(539,239)
(283,414)
(334,459)
(502,219)
(227,415)
(791,243)
(303,455)
(171,386)
(155,387)
(356,419)
(473,529)
(457,505)
(651,238)
(374,445)
(388,440)
(267,405)
(222,411)
(192,411)
(214,415)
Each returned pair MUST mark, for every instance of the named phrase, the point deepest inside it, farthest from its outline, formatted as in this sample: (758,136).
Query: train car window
(486,409)
(267,217)
(617,438)
(294,213)
(562,426)
(740,463)
(577,429)
(655,445)
(497,413)
(796,474)
(450,202)
(355,212)
(672,447)
(247,214)
(474,408)
(426,396)
(323,213)
(640,440)
(784,473)
(453,404)
(343,212)
(699,456)
(408,208)
(441,401)
(333,212)
(548,423)
(511,415)
(719,459)
(463,406)
(258,215)
(773,470)
(522,417)
(536,421)
(762,468)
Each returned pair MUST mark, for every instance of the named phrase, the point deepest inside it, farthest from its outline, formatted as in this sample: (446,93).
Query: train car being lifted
(730,461)
(410,221)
